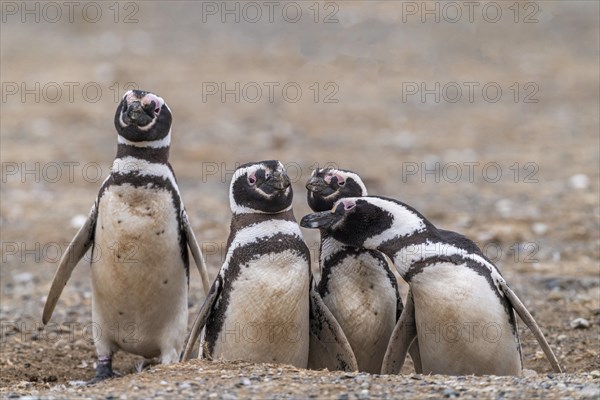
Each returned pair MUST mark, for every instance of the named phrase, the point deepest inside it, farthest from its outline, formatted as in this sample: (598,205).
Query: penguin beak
(316,184)
(323,220)
(279,181)
(319,186)
(137,115)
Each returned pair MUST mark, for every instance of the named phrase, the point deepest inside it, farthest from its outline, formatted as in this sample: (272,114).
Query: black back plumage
(354,221)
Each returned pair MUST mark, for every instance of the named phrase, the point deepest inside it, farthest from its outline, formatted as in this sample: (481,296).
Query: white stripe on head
(146,128)
(405,222)
(155,144)
(237,209)
(146,99)
(243,173)
(129,96)
(345,175)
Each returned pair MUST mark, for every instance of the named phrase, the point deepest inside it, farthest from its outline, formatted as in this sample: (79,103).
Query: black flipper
(75,251)
(329,347)
(196,253)
(533,326)
(405,332)
(201,318)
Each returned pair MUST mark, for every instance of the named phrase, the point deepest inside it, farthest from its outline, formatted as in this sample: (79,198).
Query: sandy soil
(539,219)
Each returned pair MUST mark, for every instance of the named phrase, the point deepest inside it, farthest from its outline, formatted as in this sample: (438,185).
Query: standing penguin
(356,284)
(139,233)
(260,305)
(461,309)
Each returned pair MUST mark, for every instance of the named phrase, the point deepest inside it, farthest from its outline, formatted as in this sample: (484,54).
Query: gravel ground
(202,379)
(538,220)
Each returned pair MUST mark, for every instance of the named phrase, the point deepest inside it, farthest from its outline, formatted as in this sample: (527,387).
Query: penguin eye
(251,179)
(340,180)
(349,206)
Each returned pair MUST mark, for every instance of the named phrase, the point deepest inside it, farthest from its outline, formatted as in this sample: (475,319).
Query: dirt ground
(519,174)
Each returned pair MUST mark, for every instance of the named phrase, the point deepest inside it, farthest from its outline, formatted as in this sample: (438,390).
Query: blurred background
(484,116)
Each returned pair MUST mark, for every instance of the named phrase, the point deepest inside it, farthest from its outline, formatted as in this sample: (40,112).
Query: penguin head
(368,222)
(328,185)
(260,187)
(143,119)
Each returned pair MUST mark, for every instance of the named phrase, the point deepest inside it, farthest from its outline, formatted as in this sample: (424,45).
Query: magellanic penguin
(260,307)
(357,285)
(461,308)
(139,233)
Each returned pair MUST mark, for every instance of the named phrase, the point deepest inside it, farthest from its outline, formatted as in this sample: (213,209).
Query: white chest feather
(138,275)
(461,324)
(363,301)
(267,315)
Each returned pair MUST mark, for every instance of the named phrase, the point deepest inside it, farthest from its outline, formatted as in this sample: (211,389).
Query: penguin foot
(145,364)
(103,370)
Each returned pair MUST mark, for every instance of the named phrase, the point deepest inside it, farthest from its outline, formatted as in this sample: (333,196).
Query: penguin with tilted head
(357,285)
(139,234)
(461,308)
(262,307)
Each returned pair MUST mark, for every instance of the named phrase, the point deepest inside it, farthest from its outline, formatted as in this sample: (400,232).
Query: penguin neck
(403,250)
(158,155)
(332,243)
(400,242)
(240,221)
(329,247)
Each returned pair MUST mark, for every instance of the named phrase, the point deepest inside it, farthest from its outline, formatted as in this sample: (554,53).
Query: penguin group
(265,305)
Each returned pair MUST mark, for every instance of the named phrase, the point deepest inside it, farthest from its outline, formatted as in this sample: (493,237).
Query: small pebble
(579,181)
(23,278)
(504,207)
(24,385)
(580,323)
(449,392)
(539,228)
(245,381)
(590,392)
